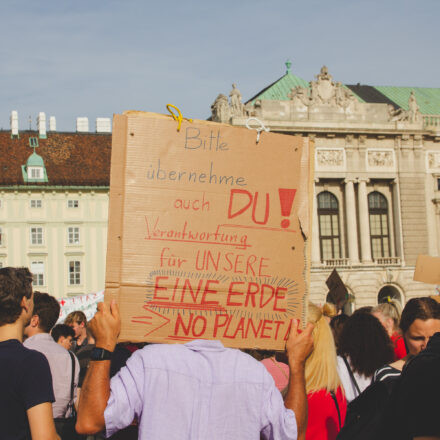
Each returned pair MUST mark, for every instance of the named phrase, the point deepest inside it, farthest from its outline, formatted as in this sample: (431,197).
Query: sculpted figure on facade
(413,108)
(330,157)
(324,91)
(411,115)
(434,160)
(299,96)
(237,107)
(220,109)
(380,159)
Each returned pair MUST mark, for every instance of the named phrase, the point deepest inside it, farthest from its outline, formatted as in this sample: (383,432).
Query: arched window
(328,216)
(387,293)
(379,229)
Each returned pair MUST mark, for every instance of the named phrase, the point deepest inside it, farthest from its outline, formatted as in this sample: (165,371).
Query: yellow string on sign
(177,117)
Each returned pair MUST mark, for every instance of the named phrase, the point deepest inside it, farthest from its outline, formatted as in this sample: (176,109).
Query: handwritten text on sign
(213,232)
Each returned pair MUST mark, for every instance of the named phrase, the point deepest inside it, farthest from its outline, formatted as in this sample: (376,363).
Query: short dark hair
(62,330)
(15,283)
(47,308)
(419,308)
(77,317)
(365,341)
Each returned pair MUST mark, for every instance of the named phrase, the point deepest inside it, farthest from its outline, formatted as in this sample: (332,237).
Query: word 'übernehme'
(191,176)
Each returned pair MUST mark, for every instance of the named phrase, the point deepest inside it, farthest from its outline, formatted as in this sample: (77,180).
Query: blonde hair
(390,309)
(321,366)
(329,310)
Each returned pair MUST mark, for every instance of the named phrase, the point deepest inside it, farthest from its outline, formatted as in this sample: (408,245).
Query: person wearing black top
(413,410)
(26,394)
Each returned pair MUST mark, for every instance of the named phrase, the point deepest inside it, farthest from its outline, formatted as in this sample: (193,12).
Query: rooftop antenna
(30,122)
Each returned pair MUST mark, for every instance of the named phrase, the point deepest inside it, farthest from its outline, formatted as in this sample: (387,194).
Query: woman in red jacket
(388,313)
(326,400)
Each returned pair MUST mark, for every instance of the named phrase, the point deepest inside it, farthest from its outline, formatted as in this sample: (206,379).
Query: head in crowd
(321,366)
(365,309)
(329,310)
(365,341)
(63,335)
(15,294)
(337,324)
(45,315)
(78,321)
(388,313)
(420,320)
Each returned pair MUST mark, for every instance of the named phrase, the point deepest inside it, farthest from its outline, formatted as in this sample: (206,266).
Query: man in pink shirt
(200,390)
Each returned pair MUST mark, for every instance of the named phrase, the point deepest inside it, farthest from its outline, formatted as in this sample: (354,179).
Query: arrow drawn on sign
(148,320)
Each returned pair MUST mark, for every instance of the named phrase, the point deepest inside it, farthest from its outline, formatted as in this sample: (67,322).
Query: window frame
(40,241)
(71,232)
(37,202)
(381,212)
(72,202)
(74,275)
(38,278)
(332,212)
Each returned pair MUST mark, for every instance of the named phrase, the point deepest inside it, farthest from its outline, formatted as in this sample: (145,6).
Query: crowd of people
(373,374)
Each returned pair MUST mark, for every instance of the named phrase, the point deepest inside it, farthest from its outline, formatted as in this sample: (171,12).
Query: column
(364,225)
(350,210)
(398,221)
(316,258)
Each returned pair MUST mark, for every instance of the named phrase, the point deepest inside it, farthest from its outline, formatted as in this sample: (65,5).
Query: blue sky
(98,57)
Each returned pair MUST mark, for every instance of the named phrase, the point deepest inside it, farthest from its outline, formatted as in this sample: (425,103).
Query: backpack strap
(71,404)
(350,372)
(332,393)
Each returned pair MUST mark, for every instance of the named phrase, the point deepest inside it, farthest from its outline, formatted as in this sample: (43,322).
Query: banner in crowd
(84,303)
(208,231)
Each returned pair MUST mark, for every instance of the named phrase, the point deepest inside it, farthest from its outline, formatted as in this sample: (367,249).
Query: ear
(35,321)
(25,304)
(61,339)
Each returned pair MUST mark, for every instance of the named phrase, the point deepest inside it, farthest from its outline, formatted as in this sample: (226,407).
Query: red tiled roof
(71,159)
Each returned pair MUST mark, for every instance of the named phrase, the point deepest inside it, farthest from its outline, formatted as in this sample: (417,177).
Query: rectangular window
(36,235)
(73,233)
(438,186)
(74,272)
(36,203)
(36,173)
(37,269)
(72,203)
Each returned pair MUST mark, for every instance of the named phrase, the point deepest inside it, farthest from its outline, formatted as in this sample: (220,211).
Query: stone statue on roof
(220,110)
(237,107)
(413,108)
(411,115)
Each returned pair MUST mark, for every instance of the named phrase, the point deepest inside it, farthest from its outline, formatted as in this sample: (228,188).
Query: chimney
(14,123)
(82,124)
(41,124)
(103,125)
(52,124)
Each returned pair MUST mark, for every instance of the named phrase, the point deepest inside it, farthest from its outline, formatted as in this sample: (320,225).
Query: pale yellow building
(53,208)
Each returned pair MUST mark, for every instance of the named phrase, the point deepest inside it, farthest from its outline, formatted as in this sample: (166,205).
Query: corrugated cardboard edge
(306,223)
(116,205)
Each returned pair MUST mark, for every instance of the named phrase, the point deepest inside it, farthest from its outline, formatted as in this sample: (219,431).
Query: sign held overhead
(208,232)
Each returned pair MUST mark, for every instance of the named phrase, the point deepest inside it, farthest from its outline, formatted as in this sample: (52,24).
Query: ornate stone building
(377,177)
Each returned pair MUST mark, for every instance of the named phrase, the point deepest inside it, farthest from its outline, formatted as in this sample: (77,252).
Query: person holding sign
(197,390)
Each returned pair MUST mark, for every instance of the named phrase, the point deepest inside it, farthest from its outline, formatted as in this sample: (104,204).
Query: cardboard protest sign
(427,269)
(208,231)
(338,293)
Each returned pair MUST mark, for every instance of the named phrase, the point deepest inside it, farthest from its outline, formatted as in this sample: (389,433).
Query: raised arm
(95,391)
(298,347)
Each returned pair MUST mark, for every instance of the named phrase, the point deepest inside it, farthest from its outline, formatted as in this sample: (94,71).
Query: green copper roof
(280,88)
(428,99)
(34,160)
